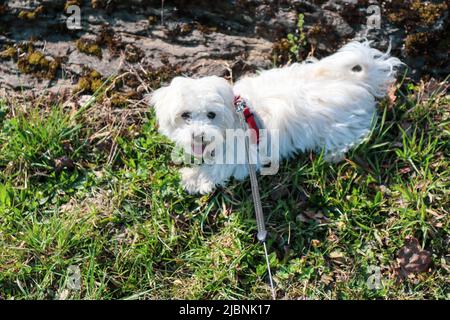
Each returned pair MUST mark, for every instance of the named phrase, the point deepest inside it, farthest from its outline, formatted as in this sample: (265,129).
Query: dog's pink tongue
(197,148)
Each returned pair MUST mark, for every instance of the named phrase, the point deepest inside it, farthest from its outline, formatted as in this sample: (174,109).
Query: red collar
(239,103)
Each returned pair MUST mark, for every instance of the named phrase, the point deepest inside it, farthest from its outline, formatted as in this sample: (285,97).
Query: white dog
(317,105)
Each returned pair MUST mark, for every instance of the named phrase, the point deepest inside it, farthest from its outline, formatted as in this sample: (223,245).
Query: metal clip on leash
(262,232)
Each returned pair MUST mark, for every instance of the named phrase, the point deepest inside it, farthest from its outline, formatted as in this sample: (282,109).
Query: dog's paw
(189,178)
(206,187)
(193,181)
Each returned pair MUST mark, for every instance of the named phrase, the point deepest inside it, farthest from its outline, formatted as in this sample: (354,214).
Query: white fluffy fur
(317,105)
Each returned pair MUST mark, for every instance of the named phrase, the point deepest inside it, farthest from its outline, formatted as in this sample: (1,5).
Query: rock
(338,23)
(83,100)
(203,38)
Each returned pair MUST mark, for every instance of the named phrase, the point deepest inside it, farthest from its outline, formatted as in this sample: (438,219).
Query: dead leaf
(64,163)
(405,170)
(177,282)
(327,278)
(64,294)
(310,216)
(431,88)
(391,96)
(315,243)
(412,259)
(436,218)
(336,255)
(302,218)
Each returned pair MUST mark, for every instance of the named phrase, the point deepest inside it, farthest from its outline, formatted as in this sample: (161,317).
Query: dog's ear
(160,100)
(158,96)
(223,87)
(164,100)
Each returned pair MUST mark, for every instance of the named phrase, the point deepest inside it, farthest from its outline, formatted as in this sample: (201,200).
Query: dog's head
(191,112)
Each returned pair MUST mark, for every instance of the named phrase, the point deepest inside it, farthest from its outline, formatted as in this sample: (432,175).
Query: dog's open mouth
(198,148)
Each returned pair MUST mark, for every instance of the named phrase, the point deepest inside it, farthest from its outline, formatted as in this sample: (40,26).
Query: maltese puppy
(322,105)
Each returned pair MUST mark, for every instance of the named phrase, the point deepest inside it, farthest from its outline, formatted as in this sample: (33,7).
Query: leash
(246,120)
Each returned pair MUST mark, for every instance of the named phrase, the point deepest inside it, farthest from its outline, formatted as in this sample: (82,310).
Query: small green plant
(297,41)
(3,111)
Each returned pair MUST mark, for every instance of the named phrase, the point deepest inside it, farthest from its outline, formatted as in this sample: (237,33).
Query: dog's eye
(357,68)
(211,115)
(186,115)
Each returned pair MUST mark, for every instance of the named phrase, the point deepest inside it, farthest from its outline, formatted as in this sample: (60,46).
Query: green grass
(120,215)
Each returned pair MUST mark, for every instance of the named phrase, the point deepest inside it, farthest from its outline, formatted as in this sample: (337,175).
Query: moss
(31,61)
(84,85)
(318,29)
(72,3)
(179,30)
(411,14)
(429,13)
(15,51)
(27,15)
(36,58)
(90,82)
(205,29)
(98,4)
(31,15)
(108,37)
(95,74)
(185,29)
(96,84)
(121,100)
(152,20)
(418,43)
(9,53)
(118,100)
(133,54)
(155,77)
(130,80)
(281,51)
(37,64)
(89,47)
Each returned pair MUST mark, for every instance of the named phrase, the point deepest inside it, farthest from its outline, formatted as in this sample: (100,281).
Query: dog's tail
(366,66)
